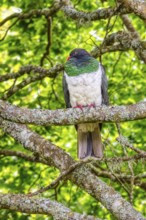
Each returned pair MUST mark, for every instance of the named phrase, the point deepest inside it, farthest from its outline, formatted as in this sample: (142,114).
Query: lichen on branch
(73,116)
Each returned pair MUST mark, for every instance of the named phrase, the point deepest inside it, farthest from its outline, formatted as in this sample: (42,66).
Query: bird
(85,85)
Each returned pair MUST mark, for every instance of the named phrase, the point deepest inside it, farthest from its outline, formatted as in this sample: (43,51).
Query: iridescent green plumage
(74,68)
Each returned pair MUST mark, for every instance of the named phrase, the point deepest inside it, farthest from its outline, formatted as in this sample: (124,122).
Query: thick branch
(73,116)
(127,22)
(137,7)
(23,203)
(70,12)
(98,14)
(81,176)
(33,142)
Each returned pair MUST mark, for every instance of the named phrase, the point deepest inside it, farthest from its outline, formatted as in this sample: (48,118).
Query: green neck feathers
(75,67)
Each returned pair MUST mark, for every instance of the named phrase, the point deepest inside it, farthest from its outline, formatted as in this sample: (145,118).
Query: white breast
(85,89)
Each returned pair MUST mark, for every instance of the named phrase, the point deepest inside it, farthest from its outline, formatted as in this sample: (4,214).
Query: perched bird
(85,84)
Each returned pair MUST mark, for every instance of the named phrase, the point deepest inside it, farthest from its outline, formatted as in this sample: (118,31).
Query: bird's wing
(66,92)
(104,86)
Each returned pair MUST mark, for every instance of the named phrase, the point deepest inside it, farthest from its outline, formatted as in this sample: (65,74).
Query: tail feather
(82,144)
(89,142)
(97,143)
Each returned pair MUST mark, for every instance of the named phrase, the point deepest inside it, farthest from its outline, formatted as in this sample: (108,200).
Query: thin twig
(56,182)
(50,73)
(9,29)
(49,40)
(125,142)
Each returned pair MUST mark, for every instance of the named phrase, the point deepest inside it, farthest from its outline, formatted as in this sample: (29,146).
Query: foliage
(26,43)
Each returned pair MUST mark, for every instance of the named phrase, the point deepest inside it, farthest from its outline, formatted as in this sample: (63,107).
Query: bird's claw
(79,106)
(92,105)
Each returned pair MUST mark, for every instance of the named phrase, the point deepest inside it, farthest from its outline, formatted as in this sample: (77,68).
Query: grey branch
(41,73)
(31,158)
(81,176)
(125,142)
(73,116)
(137,7)
(122,41)
(36,12)
(128,23)
(98,14)
(71,12)
(23,203)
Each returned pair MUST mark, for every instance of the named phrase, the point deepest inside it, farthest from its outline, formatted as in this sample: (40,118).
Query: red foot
(92,105)
(79,106)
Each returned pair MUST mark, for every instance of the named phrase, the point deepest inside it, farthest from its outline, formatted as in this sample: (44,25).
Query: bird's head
(79,62)
(78,53)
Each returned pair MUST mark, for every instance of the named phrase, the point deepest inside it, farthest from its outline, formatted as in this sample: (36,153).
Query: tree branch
(33,142)
(49,40)
(137,7)
(123,178)
(36,12)
(6,32)
(23,203)
(55,183)
(31,158)
(42,73)
(125,142)
(122,41)
(34,69)
(98,14)
(73,116)
(81,176)
(71,12)
(129,25)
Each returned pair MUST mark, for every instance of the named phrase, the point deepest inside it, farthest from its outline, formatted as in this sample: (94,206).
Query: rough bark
(136,6)
(122,41)
(26,204)
(36,13)
(81,176)
(73,116)
(39,72)
(104,13)
(70,11)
